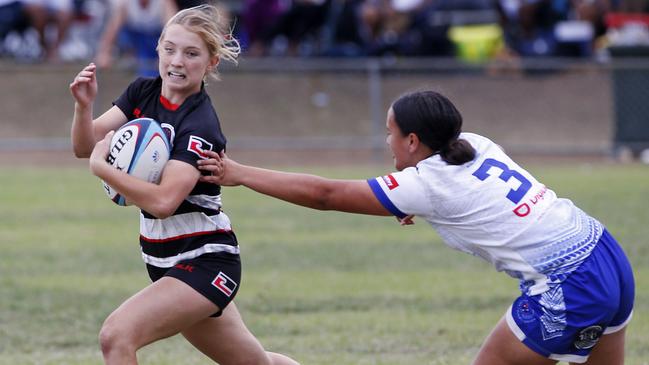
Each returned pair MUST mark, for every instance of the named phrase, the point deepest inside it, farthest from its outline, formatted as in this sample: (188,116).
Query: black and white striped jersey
(198,226)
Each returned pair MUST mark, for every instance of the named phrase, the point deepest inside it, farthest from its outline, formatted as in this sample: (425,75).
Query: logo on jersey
(223,283)
(588,337)
(170,132)
(185,267)
(525,312)
(390,181)
(198,145)
(524,209)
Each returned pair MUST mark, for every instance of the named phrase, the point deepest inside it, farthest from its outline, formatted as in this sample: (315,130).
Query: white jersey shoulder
(493,208)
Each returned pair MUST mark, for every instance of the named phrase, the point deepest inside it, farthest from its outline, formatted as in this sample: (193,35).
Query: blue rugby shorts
(596,299)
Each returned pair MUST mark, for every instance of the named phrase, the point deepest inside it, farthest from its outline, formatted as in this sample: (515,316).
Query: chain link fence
(547,108)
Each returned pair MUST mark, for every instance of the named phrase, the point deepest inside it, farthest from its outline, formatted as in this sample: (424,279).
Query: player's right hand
(99,153)
(214,165)
(84,86)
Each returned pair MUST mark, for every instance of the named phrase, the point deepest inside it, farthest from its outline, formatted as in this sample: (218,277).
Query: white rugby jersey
(492,208)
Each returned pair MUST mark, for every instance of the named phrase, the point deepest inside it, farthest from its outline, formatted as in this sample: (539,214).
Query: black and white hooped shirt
(198,226)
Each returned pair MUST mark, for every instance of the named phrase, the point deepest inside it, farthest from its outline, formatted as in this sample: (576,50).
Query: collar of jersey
(168,105)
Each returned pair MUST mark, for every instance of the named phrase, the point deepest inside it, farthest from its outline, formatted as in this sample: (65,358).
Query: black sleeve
(200,131)
(127,102)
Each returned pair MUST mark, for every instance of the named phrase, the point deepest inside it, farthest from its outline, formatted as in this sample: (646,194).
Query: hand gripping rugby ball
(140,148)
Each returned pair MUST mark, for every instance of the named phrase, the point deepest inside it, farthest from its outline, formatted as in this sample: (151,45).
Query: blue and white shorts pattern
(565,322)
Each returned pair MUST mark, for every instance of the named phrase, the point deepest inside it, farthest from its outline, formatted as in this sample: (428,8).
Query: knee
(114,338)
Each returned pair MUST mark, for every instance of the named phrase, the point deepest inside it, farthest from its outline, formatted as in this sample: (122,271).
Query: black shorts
(215,275)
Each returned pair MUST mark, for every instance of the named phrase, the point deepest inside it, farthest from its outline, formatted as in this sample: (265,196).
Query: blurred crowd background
(126,31)
(562,77)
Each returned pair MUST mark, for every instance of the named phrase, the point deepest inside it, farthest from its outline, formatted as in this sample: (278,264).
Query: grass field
(323,287)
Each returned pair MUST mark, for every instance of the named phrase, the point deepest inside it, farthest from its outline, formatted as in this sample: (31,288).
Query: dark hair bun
(457,152)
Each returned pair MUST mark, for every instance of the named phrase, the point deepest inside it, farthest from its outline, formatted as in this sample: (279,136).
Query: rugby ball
(141,149)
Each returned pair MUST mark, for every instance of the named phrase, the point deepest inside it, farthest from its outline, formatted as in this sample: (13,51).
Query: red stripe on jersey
(168,105)
(194,234)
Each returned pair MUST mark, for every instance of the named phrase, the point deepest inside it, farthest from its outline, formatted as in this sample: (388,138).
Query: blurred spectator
(13,17)
(437,19)
(385,24)
(631,6)
(376,34)
(428,33)
(297,30)
(342,32)
(529,27)
(42,13)
(594,12)
(417,27)
(559,28)
(259,16)
(134,26)
(331,28)
(627,27)
(586,23)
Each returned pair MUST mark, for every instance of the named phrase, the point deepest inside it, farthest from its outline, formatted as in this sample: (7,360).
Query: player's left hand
(100,153)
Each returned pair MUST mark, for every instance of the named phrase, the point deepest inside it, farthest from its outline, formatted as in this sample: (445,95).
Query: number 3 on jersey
(515,195)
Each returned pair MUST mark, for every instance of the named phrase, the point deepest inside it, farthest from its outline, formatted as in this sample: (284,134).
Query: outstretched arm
(352,196)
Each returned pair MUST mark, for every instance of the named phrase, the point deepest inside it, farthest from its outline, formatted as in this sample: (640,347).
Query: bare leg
(63,21)
(168,307)
(241,347)
(160,310)
(38,18)
(503,348)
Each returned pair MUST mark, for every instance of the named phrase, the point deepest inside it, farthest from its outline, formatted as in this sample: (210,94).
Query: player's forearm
(83,136)
(352,196)
(301,189)
(140,193)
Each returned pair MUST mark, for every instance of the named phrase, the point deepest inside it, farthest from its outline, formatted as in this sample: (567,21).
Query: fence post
(630,80)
